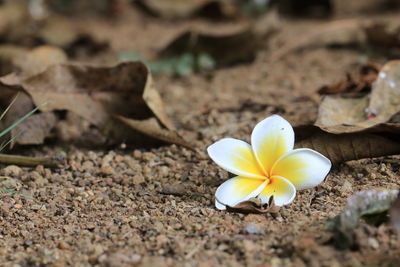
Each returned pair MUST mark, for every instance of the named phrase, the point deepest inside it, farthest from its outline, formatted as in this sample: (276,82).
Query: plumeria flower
(268,167)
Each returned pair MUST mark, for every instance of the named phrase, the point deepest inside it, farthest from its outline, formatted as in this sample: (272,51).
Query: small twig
(51,162)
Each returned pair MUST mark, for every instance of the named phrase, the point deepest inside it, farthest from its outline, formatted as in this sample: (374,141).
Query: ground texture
(125,206)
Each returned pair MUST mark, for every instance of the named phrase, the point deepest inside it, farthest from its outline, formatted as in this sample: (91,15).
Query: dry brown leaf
(35,128)
(341,146)
(12,16)
(254,205)
(153,129)
(29,62)
(349,128)
(395,215)
(385,95)
(364,112)
(370,205)
(175,8)
(380,34)
(39,59)
(8,56)
(97,94)
(73,38)
(338,31)
(239,44)
(337,109)
(58,31)
(360,81)
(345,7)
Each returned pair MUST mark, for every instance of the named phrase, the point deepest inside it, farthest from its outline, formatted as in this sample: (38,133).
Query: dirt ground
(125,206)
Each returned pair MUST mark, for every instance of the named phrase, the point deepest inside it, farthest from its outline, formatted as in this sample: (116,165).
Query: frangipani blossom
(268,167)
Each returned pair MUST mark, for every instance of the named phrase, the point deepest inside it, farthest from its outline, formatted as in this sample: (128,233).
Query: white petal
(304,168)
(283,191)
(270,139)
(219,205)
(238,189)
(236,157)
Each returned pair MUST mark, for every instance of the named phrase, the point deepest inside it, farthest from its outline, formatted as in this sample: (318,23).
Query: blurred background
(206,55)
(105,31)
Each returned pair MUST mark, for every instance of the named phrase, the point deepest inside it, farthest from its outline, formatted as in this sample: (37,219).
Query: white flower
(268,167)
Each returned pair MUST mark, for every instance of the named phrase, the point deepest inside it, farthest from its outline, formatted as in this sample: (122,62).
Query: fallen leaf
(395,215)
(81,7)
(363,112)
(35,129)
(227,46)
(29,62)
(152,128)
(100,95)
(371,205)
(309,9)
(358,126)
(254,205)
(72,37)
(355,8)
(345,31)
(342,110)
(8,58)
(360,81)
(12,16)
(385,94)
(175,8)
(383,35)
(343,143)
(39,59)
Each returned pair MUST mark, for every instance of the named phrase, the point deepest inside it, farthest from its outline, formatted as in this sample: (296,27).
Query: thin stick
(51,162)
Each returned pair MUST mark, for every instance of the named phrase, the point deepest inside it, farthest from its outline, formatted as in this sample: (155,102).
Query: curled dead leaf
(184,9)
(13,15)
(74,39)
(371,205)
(370,110)
(152,128)
(382,35)
(35,129)
(360,81)
(174,8)
(356,127)
(99,95)
(29,62)
(254,205)
(243,41)
(343,143)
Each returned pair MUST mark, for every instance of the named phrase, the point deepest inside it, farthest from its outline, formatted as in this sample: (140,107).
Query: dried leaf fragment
(254,205)
(175,8)
(358,126)
(342,143)
(360,81)
(361,204)
(226,46)
(99,95)
(380,34)
(367,111)
(152,128)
